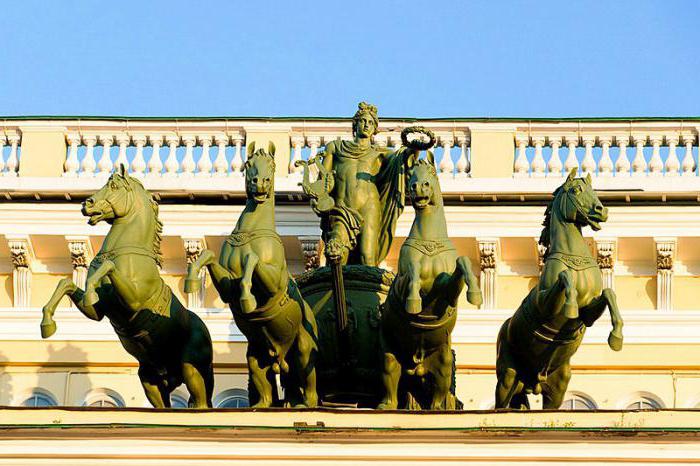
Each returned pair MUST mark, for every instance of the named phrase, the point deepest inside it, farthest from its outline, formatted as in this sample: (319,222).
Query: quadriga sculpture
(421,309)
(251,276)
(536,344)
(170,342)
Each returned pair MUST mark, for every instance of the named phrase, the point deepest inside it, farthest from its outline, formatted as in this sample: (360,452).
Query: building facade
(496,176)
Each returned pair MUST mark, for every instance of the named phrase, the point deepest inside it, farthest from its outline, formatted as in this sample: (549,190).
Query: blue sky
(415,59)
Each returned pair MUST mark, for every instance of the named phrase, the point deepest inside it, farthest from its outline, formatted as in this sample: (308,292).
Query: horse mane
(261,153)
(158,234)
(544,236)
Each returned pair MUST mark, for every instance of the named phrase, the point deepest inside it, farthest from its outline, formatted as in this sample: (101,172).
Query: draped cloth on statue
(391,185)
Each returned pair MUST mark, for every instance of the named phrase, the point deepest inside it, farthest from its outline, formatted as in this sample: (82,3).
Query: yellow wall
(492,154)
(686,293)
(43,152)
(511,290)
(636,292)
(43,286)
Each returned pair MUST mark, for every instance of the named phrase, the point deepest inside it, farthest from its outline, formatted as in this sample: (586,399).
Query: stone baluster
(639,164)
(554,166)
(447,166)
(22,256)
(12,164)
(656,165)
(381,140)
(80,255)
(688,165)
(71,166)
(188,164)
(171,165)
(220,162)
(488,250)
(622,164)
(297,144)
(105,163)
(464,166)
(193,248)
(606,250)
(237,162)
(520,168)
(571,161)
(605,164)
(155,164)
(310,248)
(665,255)
(123,141)
(204,164)
(313,142)
(138,165)
(538,165)
(2,152)
(87,167)
(672,165)
(588,162)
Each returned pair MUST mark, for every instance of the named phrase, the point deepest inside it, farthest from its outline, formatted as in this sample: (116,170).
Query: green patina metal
(251,276)
(171,343)
(421,310)
(536,344)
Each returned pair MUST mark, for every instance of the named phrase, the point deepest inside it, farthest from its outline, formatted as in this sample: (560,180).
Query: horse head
(113,201)
(423,184)
(578,203)
(260,173)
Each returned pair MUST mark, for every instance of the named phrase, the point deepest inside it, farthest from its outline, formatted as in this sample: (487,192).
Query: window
(178,401)
(578,401)
(233,398)
(644,402)
(104,398)
(39,399)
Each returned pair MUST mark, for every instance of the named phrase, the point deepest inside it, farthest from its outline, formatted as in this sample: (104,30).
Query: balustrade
(606,152)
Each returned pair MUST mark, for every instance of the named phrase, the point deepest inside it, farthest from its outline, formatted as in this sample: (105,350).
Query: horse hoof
(48,328)
(615,342)
(475,298)
(413,306)
(193,285)
(384,405)
(570,311)
(248,304)
(90,298)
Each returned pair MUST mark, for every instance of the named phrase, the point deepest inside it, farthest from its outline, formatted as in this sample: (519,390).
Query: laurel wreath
(417,144)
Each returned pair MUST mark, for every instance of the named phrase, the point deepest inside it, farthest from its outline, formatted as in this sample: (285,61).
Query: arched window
(178,401)
(578,401)
(104,398)
(644,402)
(233,398)
(39,399)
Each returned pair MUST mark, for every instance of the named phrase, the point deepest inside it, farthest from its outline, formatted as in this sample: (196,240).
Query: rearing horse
(536,344)
(251,276)
(171,343)
(421,309)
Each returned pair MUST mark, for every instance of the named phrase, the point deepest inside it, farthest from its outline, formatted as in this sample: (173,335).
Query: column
(665,255)
(488,250)
(605,255)
(193,247)
(22,256)
(310,248)
(80,255)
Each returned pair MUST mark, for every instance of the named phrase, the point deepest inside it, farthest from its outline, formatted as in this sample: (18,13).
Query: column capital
(172,139)
(155,139)
(205,139)
(488,250)
(656,139)
(571,139)
(193,247)
(80,251)
(688,138)
(538,140)
(123,139)
(21,251)
(140,140)
(605,252)
(639,139)
(672,138)
(622,139)
(189,139)
(91,139)
(310,247)
(665,253)
(605,139)
(554,141)
(237,137)
(588,139)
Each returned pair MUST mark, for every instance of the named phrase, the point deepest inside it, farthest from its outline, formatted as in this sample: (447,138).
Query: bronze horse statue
(251,276)
(171,343)
(536,344)
(421,308)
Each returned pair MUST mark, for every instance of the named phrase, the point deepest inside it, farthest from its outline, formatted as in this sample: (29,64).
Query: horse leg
(196,384)
(66,287)
(153,388)
(519,401)
(259,377)
(306,367)
(123,285)
(192,283)
(413,300)
(463,275)
(596,308)
(442,373)
(555,387)
(247,300)
(508,384)
(551,298)
(390,378)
